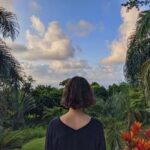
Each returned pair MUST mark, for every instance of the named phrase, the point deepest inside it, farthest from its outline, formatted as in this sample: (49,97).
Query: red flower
(135,128)
(127,136)
(136,141)
(140,144)
(147,133)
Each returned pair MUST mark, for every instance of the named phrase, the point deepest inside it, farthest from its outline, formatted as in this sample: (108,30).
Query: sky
(60,39)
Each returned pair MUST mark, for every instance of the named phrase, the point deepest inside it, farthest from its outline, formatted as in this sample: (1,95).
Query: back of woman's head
(77,94)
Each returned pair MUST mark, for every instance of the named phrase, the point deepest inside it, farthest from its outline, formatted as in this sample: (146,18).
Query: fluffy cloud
(82,28)
(53,74)
(70,65)
(119,46)
(38,25)
(52,44)
(48,55)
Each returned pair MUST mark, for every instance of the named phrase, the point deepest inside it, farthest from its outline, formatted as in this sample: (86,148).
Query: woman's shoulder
(97,122)
(53,121)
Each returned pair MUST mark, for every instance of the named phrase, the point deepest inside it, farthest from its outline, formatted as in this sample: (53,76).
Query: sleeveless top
(60,136)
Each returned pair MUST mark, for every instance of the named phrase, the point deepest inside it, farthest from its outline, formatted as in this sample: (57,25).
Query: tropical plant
(21,104)
(52,112)
(10,70)
(136,139)
(138,54)
(114,135)
(10,140)
(13,140)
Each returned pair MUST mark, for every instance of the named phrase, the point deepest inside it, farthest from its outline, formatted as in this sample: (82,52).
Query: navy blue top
(60,136)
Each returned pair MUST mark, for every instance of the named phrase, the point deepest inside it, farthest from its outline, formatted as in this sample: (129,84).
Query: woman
(76,130)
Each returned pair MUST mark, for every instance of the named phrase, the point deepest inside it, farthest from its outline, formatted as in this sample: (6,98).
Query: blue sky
(104,15)
(91,36)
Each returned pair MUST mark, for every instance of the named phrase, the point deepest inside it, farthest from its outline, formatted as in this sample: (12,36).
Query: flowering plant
(136,140)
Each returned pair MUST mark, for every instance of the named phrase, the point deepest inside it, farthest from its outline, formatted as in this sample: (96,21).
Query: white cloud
(119,46)
(50,74)
(69,65)
(38,25)
(81,28)
(53,74)
(54,44)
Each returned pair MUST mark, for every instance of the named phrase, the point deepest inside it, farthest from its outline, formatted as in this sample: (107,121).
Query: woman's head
(77,94)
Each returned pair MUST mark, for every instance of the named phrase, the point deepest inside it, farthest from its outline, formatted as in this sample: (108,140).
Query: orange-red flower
(147,133)
(136,141)
(127,136)
(140,144)
(147,145)
(135,128)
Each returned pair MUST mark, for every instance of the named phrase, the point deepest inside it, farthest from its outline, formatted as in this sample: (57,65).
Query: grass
(35,144)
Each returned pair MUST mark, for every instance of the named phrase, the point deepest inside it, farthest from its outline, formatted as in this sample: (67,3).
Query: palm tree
(22,104)
(114,135)
(138,53)
(9,67)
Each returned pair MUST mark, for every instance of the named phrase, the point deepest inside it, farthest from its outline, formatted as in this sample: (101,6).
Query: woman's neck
(76,111)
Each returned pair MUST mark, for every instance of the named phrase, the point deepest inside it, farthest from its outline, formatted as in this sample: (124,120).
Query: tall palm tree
(138,53)
(9,67)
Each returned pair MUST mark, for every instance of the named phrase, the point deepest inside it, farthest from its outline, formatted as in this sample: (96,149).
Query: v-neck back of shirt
(60,136)
(75,130)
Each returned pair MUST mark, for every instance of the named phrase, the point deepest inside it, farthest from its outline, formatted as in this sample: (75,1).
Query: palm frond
(114,136)
(143,24)
(9,67)
(9,26)
(10,139)
(138,47)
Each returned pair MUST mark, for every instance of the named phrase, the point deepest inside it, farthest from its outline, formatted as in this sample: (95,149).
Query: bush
(36,144)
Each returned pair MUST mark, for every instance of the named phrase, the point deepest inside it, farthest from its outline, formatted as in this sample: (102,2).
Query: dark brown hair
(77,94)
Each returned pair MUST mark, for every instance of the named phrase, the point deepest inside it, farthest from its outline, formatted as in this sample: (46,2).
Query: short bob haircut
(77,94)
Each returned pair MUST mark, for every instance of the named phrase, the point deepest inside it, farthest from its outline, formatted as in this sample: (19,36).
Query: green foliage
(10,140)
(45,96)
(55,111)
(9,25)
(9,67)
(113,89)
(35,144)
(99,91)
(97,110)
(114,135)
(10,70)
(137,61)
(95,84)
(22,103)
(138,49)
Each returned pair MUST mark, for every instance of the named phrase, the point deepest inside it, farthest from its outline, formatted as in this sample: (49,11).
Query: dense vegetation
(25,111)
